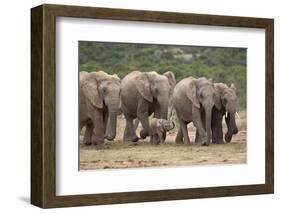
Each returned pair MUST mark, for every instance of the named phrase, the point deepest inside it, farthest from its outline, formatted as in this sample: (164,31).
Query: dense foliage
(226,65)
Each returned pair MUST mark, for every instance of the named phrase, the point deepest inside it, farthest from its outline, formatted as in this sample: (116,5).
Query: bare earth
(119,154)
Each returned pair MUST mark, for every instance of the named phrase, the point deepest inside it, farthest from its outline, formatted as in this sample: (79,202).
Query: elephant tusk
(236,113)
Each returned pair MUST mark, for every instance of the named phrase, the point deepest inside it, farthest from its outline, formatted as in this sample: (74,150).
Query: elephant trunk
(208,119)
(164,108)
(231,125)
(172,125)
(110,132)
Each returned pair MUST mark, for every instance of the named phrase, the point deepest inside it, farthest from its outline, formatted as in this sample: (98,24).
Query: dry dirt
(119,154)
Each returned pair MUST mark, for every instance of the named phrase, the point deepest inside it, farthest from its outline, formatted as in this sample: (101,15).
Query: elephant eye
(155,90)
(104,90)
(224,101)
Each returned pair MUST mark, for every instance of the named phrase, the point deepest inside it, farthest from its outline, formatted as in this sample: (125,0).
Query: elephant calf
(158,129)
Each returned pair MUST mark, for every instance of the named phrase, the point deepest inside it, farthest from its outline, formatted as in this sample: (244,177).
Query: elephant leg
(105,120)
(157,110)
(154,139)
(161,137)
(151,140)
(98,133)
(145,131)
(217,131)
(197,121)
(203,121)
(142,114)
(197,137)
(164,136)
(179,137)
(157,139)
(88,134)
(130,132)
(136,124)
(184,131)
(126,135)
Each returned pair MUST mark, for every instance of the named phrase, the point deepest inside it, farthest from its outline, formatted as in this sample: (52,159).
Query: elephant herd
(141,94)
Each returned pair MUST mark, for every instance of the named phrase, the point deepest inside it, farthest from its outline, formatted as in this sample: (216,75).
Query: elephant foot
(126,138)
(88,143)
(228,137)
(204,141)
(197,141)
(187,143)
(97,141)
(109,138)
(179,140)
(135,139)
(155,141)
(218,141)
(101,146)
(143,134)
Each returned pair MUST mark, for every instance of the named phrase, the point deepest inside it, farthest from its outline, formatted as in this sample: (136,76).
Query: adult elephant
(99,106)
(228,101)
(194,99)
(143,93)
(172,82)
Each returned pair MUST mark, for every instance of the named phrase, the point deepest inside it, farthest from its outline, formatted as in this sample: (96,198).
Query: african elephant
(194,99)
(228,100)
(143,93)
(158,128)
(99,106)
(172,82)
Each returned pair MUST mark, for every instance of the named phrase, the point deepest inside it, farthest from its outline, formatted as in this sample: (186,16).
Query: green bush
(222,64)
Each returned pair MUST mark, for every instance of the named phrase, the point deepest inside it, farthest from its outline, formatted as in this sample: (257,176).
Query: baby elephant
(158,129)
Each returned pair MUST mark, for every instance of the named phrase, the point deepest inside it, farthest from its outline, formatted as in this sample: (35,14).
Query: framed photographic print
(136,106)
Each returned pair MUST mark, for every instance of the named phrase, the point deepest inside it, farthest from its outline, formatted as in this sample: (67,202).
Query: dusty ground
(121,154)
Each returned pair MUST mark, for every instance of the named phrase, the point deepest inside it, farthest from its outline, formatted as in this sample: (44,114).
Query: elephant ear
(143,87)
(217,99)
(116,76)
(82,75)
(171,78)
(191,93)
(90,89)
(232,86)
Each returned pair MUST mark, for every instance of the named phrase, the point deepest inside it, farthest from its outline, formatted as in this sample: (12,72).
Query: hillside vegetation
(226,65)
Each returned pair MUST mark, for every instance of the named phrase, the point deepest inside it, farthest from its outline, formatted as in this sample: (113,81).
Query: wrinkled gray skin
(143,93)
(99,106)
(172,81)
(228,100)
(158,129)
(194,99)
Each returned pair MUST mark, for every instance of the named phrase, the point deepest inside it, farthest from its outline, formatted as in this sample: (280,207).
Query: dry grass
(121,154)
